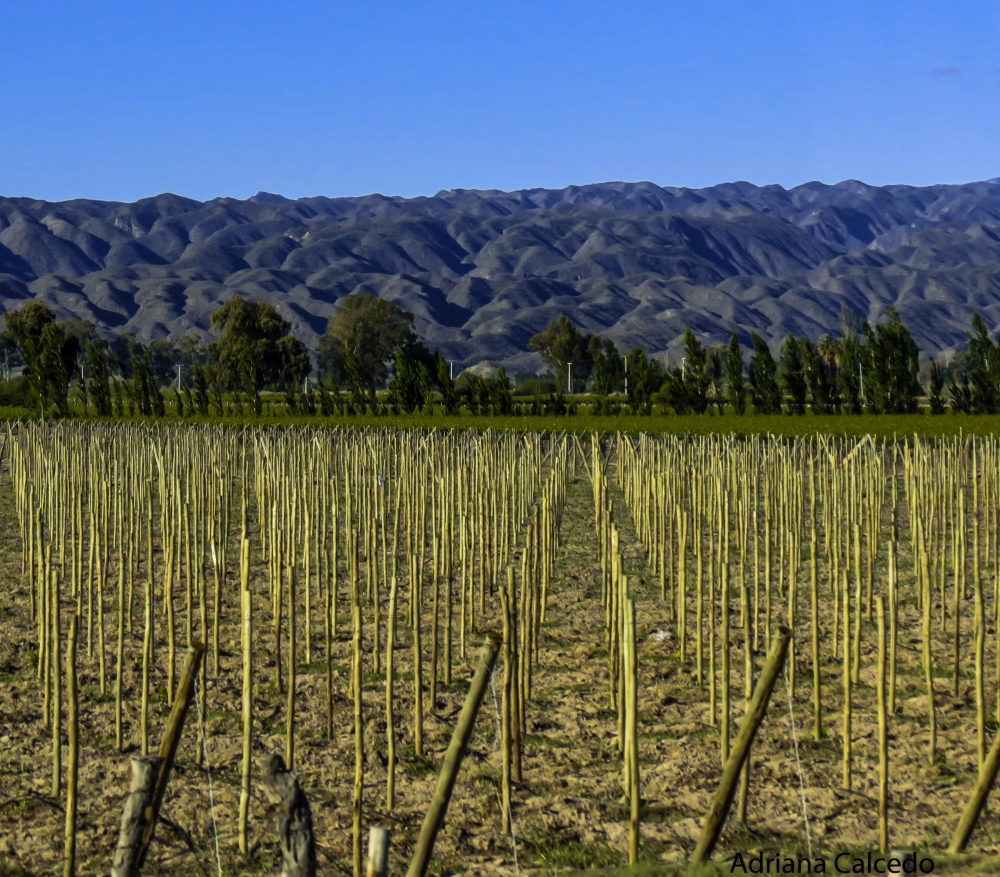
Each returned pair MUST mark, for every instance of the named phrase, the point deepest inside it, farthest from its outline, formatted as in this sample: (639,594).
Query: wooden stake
(453,759)
(723,800)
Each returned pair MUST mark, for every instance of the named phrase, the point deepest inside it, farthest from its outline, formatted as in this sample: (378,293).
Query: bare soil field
(569,812)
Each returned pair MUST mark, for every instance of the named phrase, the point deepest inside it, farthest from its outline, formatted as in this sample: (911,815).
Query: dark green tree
(449,395)
(368,328)
(984,369)
(145,391)
(936,388)
(327,399)
(891,366)
(116,397)
(715,370)
(249,376)
(278,357)
(99,377)
(793,375)
(361,384)
(294,360)
(608,369)
(501,398)
(408,389)
(640,389)
(560,344)
(960,395)
(850,362)
(200,381)
(48,354)
(734,376)
(694,373)
(54,368)
(819,377)
(765,394)
(165,360)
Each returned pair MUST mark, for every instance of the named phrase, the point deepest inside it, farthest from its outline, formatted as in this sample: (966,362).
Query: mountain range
(484,270)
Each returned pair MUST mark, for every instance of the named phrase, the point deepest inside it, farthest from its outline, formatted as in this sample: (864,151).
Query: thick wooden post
(453,758)
(723,799)
(294,824)
(171,739)
(145,769)
(977,801)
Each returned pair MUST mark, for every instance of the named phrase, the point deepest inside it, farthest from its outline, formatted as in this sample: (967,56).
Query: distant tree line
(370,360)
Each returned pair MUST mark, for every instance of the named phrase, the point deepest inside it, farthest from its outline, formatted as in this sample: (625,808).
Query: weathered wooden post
(171,739)
(723,799)
(977,801)
(294,823)
(453,758)
(145,769)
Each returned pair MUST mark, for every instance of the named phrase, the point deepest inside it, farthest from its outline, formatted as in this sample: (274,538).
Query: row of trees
(872,368)
(254,351)
(370,345)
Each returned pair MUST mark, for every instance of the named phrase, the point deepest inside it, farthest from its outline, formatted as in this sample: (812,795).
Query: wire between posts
(208,770)
(798,761)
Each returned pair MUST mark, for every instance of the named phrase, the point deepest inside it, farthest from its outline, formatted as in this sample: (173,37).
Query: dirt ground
(569,812)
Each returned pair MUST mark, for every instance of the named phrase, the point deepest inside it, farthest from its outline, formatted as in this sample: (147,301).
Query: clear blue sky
(123,100)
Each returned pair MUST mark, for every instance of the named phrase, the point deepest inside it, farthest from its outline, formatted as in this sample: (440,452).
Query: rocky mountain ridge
(484,270)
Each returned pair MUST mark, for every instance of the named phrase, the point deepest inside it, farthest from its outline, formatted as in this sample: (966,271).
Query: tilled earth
(569,812)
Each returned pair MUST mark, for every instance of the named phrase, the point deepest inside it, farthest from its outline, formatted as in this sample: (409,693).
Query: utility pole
(569,379)
(451,369)
(305,385)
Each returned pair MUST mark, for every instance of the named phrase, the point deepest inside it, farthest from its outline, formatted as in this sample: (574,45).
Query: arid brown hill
(484,270)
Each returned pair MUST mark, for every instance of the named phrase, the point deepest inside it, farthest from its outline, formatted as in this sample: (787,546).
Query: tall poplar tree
(734,376)
(765,394)
(793,375)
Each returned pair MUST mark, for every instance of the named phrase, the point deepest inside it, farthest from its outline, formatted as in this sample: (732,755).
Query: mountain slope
(484,270)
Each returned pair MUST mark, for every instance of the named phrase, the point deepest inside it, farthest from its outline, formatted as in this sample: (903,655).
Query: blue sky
(125,100)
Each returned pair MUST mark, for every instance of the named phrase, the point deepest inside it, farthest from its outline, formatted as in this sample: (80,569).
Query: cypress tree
(449,396)
(765,394)
(501,399)
(155,396)
(984,369)
(937,388)
(54,371)
(850,352)
(409,387)
(891,363)
(818,378)
(200,389)
(734,376)
(100,387)
(960,395)
(793,375)
(695,376)
(715,371)
(639,395)
(674,393)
